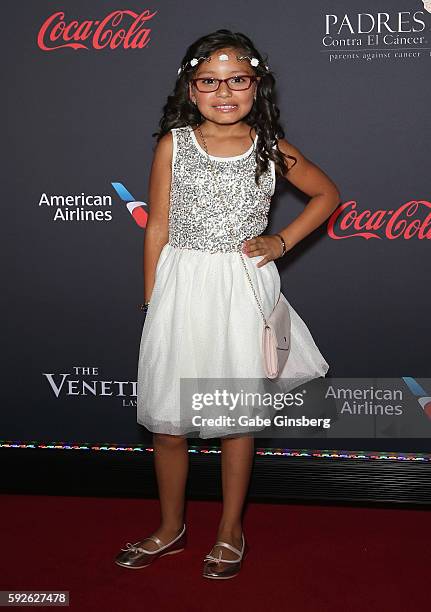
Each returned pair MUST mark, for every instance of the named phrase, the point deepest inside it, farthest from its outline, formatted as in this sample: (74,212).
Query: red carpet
(302,558)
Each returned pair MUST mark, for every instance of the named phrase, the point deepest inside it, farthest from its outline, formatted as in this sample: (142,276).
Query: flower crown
(223,57)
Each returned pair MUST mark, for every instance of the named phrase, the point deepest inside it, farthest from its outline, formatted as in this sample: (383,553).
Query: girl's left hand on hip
(269,246)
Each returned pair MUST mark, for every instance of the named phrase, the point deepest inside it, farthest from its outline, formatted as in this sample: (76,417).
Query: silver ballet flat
(211,563)
(134,556)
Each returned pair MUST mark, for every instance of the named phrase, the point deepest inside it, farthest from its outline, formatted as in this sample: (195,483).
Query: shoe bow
(215,559)
(133,547)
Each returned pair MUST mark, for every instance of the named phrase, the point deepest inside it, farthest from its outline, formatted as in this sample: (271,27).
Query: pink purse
(275,334)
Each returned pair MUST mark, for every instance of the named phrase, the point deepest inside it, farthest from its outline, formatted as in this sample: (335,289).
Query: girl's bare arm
(313,181)
(325,198)
(156,233)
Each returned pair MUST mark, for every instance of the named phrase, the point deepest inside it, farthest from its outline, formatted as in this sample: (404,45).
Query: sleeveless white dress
(203,320)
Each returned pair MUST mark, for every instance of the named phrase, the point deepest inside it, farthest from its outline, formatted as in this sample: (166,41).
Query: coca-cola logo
(125,29)
(405,222)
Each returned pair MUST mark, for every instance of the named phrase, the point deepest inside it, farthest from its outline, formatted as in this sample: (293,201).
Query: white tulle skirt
(203,322)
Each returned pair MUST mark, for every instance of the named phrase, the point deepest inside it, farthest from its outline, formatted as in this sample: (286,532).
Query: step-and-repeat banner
(85,84)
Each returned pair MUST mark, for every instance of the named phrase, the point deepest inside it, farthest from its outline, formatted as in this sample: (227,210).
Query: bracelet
(283,243)
(144,306)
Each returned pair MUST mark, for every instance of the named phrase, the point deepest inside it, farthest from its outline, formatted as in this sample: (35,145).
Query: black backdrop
(79,121)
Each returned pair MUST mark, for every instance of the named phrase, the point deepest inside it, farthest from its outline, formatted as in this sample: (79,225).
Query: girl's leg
(171,461)
(237,460)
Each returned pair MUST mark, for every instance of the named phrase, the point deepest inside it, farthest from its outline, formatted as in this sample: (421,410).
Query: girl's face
(237,104)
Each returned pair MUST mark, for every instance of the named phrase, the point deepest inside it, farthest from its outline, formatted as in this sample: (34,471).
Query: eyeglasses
(236,83)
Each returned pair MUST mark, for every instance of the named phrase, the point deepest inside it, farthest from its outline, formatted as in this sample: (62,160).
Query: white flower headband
(223,57)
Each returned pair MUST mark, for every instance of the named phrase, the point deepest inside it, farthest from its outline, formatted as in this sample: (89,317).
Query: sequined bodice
(215,208)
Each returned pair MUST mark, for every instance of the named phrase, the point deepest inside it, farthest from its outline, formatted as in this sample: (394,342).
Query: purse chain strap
(251,285)
(239,252)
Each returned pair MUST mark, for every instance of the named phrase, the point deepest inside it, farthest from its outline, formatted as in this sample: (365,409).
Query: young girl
(219,151)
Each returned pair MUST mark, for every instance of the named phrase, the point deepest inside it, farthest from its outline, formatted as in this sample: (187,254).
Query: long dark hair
(179,111)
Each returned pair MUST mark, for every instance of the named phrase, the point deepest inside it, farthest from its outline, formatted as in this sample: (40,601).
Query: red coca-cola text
(401,223)
(96,34)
